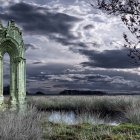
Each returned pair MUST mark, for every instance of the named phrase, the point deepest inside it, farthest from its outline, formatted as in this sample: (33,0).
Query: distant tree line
(6,91)
(82,92)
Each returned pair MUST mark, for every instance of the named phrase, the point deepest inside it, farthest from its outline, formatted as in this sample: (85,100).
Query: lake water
(71,118)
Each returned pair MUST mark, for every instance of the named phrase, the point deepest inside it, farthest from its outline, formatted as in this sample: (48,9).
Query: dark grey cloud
(42,2)
(89,26)
(54,77)
(109,59)
(113,73)
(95,79)
(38,20)
(100,82)
(37,62)
(43,70)
(66,41)
(1,9)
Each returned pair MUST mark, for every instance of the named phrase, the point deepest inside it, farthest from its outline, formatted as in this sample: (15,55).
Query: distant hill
(82,92)
(36,93)
(39,93)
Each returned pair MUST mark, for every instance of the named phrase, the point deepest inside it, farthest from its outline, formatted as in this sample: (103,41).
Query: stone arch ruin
(11,42)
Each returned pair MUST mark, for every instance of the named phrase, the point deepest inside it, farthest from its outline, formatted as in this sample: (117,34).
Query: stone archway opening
(6,76)
(11,42)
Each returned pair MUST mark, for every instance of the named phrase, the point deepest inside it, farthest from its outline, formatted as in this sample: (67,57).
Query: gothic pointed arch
(11,42)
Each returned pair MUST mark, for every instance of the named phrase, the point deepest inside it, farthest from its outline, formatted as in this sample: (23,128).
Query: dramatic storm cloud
(70,45)
(109,59)
(38,20)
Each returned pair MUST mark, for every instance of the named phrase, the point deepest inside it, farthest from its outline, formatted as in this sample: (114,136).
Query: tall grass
(20,125)
(132,113)
(104,104)
(30,125)
(127,107)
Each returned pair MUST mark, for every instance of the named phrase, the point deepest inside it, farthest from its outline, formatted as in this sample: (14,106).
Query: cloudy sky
(70,45)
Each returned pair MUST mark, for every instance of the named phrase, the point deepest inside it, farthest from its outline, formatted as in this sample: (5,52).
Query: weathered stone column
(1,81)
(21,81)
(23,68)
(13,96)
(24,76)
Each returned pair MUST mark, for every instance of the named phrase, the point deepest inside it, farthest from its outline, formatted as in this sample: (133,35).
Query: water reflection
(72,118)
(66,117)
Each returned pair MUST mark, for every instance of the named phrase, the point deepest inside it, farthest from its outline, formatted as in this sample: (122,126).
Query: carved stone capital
(17,59)
(11,24)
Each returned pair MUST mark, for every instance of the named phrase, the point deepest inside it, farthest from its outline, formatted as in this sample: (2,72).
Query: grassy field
(106,105)
(33,124)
